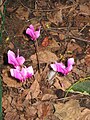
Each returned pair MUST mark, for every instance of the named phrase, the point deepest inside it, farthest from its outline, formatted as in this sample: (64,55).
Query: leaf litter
(43,96)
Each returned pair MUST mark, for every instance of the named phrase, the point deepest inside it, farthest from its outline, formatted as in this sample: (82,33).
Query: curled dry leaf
(44,57)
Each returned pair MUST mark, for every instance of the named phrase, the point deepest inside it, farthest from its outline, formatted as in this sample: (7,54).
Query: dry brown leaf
(62,83)
(53,46)
(11,115)
(35,89)
(87,60)
(4,103)
(44,57)
(84,9)
(22,13)
(44,109)
(56,17)
(48,97)
(22,117)
(11,82)
(37,76)
(85,115)
(68,111)
(28,97)
(74,48)
(62,36)
(30,112)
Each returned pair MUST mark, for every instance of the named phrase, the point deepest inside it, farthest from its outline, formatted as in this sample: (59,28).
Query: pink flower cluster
(60,67)
(20,72)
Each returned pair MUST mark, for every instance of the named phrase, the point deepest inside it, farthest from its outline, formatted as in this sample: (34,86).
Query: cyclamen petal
(15,61)
(32,33)
(70,61)
(60,67)
(22,74)
(31,27)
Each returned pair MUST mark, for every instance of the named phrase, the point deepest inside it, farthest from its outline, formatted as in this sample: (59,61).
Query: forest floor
(65,33)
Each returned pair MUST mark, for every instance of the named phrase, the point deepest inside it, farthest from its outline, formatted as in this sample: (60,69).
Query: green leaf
(82,86)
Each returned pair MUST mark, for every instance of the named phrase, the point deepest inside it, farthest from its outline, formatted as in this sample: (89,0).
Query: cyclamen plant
(20,72)
(34,35)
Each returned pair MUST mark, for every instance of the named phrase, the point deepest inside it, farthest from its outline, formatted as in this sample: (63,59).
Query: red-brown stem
(36,50)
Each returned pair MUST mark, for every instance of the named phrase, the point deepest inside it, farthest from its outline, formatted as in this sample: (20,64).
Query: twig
(84,27)
(36,51)
(80,39)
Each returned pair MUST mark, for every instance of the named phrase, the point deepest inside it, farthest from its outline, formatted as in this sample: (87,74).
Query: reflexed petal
(69,68)
(54,67)
(16,73)
(15,61)
(30,70)
(37,34)
(61,68)
(11,58)
(30,32)
(70,61)
(20,60)
(32,27)
(24,73)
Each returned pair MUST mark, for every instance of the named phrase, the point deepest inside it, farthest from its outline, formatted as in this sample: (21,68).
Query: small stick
(80,39)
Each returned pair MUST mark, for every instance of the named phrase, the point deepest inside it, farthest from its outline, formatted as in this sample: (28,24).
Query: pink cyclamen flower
(60,67)
(15,60)
(22,73)
(32,33)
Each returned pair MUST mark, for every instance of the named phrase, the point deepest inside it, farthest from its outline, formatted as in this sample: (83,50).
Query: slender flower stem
(36,50)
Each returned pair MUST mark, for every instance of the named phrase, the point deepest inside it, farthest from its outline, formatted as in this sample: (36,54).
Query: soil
(65,33)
